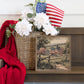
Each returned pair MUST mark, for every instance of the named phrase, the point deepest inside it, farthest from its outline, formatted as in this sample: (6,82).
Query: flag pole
(40,1)
(45,1)
(36,1)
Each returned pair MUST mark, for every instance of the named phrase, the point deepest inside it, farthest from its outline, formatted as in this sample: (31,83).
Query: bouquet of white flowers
(31,21)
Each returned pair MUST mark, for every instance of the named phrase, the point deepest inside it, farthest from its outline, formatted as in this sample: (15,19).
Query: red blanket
(13,71)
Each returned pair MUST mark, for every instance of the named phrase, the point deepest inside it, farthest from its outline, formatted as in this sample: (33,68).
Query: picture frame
(53,53)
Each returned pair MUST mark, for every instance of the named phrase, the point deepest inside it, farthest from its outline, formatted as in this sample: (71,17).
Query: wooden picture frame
(53,53)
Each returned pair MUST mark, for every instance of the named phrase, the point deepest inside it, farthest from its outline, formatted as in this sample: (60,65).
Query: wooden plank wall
(77,44)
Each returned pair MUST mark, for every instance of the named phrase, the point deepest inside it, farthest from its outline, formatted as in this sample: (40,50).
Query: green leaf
(31,4)
(58,29)
(31,22)
(8,33)
(29,15)
(12,26)
(19,19)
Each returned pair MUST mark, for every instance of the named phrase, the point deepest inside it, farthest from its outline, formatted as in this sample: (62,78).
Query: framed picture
(53,53)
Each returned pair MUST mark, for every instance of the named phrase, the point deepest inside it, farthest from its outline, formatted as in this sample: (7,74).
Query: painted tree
(67,51)
(41,42)
(41,47)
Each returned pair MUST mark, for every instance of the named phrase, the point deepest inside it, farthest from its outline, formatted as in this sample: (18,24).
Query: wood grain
(54,78)
(77,59)
(77,44)
(72,31)
(74,70)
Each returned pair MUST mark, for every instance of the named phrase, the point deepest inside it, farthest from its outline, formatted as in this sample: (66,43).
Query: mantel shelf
(75,75)
(74,70)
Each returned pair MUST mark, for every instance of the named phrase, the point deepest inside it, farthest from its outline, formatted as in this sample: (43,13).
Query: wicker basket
(26,49)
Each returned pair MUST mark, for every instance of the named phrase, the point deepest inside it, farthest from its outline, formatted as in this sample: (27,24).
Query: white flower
(23,28)
(48,29)
(26,11)
(40,20)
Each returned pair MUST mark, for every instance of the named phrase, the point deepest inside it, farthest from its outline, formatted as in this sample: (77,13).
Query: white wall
(74,10)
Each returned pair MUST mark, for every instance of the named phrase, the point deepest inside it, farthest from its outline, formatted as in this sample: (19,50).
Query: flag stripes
(55,15)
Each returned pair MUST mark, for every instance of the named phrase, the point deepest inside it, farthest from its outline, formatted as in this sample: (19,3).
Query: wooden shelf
(75,75)
(74,70)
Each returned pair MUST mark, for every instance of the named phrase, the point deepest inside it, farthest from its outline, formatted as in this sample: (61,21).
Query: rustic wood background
(77,57)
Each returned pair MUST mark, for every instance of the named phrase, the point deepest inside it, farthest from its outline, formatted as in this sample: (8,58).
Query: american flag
(55,14)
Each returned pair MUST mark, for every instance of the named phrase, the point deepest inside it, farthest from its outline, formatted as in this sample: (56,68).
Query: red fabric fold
(13,71)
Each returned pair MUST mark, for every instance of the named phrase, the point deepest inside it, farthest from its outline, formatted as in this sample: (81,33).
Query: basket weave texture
(26,49)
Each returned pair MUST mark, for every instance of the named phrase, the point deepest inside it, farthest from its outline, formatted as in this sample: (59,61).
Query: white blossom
(25,11)
(40,20)
(48,29)
(23,28)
